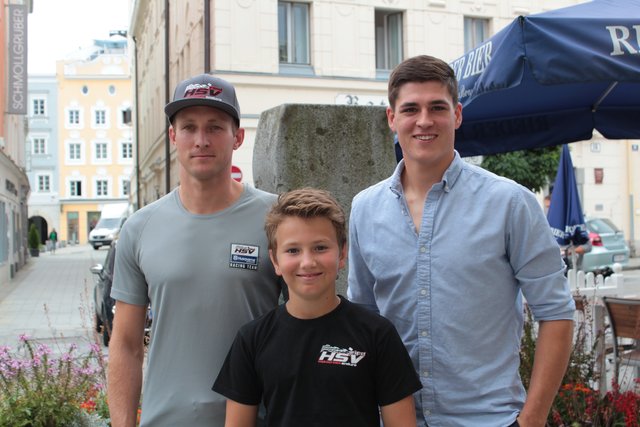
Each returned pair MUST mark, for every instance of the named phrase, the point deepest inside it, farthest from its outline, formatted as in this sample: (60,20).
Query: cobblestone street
(51,298)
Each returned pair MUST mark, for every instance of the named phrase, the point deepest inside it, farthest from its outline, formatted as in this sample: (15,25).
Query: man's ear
(391,115)
(239,138)
(172,135)
(458,113)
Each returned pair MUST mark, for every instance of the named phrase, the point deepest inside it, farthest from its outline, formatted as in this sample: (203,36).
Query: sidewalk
(51,298)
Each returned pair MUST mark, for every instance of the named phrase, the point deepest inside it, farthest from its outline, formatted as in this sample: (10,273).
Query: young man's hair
(306,203)
(419,69)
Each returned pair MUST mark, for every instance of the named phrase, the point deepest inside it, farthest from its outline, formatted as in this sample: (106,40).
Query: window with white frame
(476,31)
(38,145)
(389,39)
(125,186)
(74,152)
(102,187)
(38,107)
(75,188)
(100,117)
(73,117)
(43,183)
(125,116)
(293,32)
(101,151)
(126,150)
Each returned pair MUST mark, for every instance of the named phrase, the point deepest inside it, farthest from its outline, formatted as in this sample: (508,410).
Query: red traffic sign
(236,173)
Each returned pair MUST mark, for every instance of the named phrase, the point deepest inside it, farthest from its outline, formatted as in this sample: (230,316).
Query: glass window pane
(395,39)
(380,43)
(293,33)
(388,35)
(301,33)
(476,31)
(283,34)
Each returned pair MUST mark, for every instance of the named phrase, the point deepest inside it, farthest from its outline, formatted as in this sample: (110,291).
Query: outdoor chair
(624,317)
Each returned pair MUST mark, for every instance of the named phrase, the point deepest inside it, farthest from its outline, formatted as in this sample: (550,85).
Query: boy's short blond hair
(306,203)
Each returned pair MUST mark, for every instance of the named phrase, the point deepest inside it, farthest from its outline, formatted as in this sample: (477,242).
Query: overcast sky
(59,28)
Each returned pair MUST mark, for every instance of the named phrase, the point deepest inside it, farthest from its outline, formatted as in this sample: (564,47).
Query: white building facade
(41,153)
(323,52)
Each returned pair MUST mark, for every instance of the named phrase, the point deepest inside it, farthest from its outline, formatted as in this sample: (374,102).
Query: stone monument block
(339,148)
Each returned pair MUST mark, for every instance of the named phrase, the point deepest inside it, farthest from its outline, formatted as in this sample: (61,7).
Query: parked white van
(111,219)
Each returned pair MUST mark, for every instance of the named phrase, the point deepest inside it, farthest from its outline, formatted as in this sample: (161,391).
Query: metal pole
(135,120)
(632,232)
(207,36)
(167,88)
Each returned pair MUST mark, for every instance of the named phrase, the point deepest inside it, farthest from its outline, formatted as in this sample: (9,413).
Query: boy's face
(308,258)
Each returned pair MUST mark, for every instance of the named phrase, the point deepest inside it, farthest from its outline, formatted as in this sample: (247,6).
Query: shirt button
(423,249)
(423,333)
(425,374)
(427,412)
(423,292)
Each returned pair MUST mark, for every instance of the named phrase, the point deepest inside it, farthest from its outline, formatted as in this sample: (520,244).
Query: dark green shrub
(34,237)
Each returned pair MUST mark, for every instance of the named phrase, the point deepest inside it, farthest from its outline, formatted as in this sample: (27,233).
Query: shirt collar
(449,178)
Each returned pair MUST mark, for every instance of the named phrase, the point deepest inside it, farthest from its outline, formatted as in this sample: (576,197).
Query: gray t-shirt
(205,276)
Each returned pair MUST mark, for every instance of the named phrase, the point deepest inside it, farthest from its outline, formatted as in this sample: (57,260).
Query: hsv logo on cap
(199,90)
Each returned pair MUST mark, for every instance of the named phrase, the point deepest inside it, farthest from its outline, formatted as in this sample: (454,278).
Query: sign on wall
(17,70)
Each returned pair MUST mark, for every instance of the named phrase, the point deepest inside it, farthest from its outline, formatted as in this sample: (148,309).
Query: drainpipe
(167,89)
(632,189)
(135,118)
(207,36)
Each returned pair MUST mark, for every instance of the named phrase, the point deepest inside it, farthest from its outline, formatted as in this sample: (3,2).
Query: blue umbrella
(552,78)
(565,213)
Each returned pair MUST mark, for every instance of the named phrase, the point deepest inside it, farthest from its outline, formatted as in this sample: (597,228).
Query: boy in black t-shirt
(317,360)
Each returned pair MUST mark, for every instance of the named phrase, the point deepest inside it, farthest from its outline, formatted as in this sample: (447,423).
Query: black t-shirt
(335,370)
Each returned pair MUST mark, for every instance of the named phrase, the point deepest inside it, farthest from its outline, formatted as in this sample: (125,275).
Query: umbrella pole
(572,271)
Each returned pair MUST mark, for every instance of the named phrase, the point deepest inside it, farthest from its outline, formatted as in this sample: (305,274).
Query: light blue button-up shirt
(454,290)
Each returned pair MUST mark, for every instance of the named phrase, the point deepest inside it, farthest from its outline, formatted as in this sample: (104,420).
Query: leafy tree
(533,169)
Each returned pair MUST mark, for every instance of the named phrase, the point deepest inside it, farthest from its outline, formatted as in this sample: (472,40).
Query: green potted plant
(34,241)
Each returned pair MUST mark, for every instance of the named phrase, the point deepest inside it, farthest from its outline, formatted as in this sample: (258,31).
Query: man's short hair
(306,203)
(422,68)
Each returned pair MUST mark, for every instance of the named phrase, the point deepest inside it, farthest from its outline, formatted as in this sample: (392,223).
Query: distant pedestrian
(53,238)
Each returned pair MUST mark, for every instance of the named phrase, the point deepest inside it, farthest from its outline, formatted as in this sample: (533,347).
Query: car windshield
(108,223)
(603,226)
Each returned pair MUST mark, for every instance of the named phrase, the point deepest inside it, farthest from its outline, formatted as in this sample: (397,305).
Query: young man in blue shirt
(446,251)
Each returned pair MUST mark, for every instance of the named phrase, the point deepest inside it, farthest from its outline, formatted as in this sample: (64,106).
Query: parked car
(108,227)
(608,247)
(105,308)
(104,304)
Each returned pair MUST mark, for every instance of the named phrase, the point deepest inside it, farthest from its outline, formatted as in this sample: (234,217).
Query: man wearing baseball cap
(199,256)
